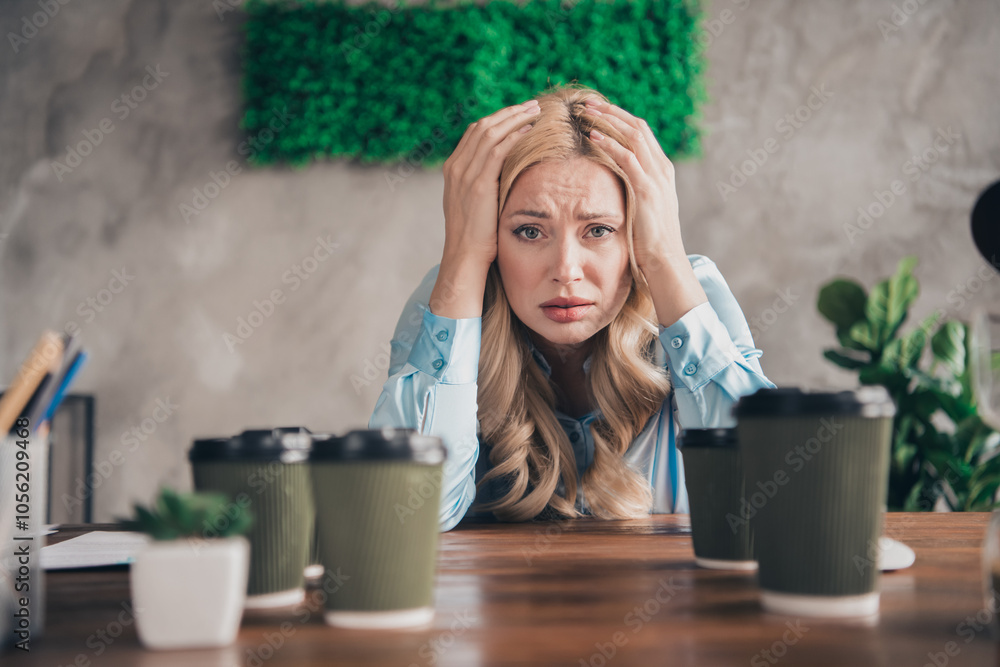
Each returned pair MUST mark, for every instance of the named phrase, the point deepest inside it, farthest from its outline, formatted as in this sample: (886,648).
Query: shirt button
(676,342)
(690,369)
(574,436)
(442,335)
(438,363)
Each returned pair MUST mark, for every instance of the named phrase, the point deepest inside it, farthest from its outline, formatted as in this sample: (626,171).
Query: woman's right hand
(472,183)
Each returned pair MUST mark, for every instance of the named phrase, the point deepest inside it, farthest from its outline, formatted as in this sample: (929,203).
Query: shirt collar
(543,362)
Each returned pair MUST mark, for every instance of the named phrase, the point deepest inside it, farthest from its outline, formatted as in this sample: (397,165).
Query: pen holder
(24,465)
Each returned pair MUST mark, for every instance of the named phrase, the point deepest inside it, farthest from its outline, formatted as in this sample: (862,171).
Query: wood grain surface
(585,592)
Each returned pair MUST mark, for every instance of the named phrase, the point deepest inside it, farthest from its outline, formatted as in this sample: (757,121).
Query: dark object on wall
(398,83)
(986,224)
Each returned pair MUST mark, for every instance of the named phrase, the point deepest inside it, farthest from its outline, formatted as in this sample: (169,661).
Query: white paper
(99,548)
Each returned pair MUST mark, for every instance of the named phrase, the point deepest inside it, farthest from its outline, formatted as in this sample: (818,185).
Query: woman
(530,348)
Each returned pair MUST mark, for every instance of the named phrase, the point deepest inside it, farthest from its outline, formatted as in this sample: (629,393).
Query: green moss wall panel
(383,84)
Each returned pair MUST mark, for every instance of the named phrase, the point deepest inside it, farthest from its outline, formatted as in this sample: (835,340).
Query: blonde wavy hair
(528,449)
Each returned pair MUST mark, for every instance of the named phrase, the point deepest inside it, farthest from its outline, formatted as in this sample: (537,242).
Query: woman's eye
(532,233)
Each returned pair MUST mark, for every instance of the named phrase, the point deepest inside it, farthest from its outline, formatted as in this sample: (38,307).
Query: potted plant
(189,584)
(942,451)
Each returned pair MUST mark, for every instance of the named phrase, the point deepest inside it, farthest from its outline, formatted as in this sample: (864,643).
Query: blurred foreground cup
(817,467)
(991,575)
(377,494)
(720,530)
(266,471)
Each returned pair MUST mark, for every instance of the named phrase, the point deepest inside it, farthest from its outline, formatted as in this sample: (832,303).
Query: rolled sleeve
(432,387)
(710,354)
(698,346)
(446,348)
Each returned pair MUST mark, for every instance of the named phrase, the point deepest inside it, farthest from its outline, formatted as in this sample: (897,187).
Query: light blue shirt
(432,387)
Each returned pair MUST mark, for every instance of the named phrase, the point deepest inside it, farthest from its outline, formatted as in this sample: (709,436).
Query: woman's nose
(568,262)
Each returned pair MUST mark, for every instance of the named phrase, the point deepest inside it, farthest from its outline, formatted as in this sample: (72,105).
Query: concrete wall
(887,88)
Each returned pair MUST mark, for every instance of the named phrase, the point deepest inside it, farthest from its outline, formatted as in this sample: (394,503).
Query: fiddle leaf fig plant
(189,515)
(941,448)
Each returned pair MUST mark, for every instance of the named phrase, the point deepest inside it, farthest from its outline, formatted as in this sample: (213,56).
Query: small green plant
(941,448)
(189,515)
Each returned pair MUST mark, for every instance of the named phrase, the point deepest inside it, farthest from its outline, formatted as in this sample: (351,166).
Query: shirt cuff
(447,348)
(698,346)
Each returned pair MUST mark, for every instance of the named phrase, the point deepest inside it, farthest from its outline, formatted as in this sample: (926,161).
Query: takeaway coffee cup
(267,472)
(816,468)
(713,469)
(377,494)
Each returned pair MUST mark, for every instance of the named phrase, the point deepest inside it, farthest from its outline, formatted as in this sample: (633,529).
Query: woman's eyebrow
(586,215)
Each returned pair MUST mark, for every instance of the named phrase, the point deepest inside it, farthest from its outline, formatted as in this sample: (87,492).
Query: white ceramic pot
(190,593)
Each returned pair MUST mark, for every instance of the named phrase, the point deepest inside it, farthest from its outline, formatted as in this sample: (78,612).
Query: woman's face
(562,234)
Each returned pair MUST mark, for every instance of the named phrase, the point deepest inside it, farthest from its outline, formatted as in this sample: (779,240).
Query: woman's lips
(561,315)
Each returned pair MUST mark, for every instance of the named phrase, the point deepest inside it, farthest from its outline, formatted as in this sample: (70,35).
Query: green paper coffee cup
(816,467)
(377,494)
(314,569)
(266,471)
(713,472)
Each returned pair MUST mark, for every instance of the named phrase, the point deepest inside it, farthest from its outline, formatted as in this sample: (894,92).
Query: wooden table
(577,593)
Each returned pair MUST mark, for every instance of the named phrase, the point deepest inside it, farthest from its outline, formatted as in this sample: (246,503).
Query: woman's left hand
(656,230)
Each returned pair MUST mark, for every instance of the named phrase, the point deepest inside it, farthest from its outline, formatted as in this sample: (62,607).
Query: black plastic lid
(288,444)
(708,437)
(386,444)
(869,401)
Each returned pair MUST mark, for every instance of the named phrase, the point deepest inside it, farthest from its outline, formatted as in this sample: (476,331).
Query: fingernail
(592,111)
(595,135)
(526,128)
(529,103)
(531,110)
